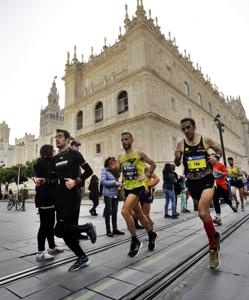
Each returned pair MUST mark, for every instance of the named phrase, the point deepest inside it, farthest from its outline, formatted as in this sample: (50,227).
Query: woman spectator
(94,194)
(44,201)
(111,187)
(169,180)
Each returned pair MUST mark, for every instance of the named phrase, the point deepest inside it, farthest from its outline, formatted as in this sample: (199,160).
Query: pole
(222,145)
(18,179)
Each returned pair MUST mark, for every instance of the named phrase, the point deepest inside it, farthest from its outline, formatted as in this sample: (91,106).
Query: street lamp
(220,127)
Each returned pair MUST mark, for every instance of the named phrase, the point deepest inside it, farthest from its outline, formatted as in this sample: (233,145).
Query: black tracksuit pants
(46,230)
(220,192)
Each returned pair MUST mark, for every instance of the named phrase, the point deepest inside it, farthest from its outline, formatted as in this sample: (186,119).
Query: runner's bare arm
(211,144)
(149,161)
(178,153)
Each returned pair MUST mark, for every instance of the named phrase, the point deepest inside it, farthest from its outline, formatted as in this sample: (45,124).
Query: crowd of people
(130,178)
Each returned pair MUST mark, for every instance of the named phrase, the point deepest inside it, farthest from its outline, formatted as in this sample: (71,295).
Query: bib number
(130,172)
(196,162)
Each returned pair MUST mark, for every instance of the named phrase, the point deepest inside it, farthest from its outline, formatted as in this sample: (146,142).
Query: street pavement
(111,274)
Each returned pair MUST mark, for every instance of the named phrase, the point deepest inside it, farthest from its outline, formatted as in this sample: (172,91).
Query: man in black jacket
(67,165)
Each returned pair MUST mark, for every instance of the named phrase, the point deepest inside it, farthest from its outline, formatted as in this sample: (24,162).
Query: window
(186,88)
(190,113)
(99,112)
(210,107)
(122,102)
(173,104)
(98,148)
(199,99)
(79,120)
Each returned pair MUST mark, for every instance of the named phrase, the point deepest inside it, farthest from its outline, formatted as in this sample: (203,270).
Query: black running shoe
(135,248)
(79,263)
(92,233)
(118,232)
(152,241)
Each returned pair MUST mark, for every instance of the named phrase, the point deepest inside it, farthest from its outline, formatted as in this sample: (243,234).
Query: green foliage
(10,174)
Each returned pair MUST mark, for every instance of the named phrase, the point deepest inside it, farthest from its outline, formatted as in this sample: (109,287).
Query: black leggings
(220,192)
(46,230)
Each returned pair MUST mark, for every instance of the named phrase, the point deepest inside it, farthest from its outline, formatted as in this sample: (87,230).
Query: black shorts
(136,191)
(196,187)
(238,183)
(146,197)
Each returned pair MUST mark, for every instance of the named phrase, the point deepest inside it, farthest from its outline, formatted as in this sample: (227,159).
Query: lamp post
(220,127)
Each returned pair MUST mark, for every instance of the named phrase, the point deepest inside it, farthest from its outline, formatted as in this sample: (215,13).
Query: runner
(67,164)
(221,187)
(200,180)
(131,164)
(236,182)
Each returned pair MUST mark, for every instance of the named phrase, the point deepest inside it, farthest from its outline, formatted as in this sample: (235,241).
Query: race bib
(196,162)
(130,172)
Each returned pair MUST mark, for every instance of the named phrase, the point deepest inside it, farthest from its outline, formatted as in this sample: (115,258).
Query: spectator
(169,180)
(111,187)
(94,194)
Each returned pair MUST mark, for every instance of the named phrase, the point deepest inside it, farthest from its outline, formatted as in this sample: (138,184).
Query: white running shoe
(55,250)
(44,256)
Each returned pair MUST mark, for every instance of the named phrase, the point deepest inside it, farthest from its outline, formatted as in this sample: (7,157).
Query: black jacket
(45,194)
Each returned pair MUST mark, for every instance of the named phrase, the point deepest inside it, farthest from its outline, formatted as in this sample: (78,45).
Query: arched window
(79,120)
(122,102)
(199,99)
(99,112)
(186,88)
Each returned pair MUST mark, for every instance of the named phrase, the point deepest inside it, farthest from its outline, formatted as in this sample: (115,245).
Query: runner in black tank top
(200,180)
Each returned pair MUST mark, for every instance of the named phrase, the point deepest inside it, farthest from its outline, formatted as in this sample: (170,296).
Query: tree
(29,168)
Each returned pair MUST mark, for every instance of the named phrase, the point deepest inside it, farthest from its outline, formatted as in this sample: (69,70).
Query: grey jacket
(109,184)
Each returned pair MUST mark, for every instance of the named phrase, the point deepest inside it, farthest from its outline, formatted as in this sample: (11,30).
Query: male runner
(221,187)
(200,180)
(236,182)
(67,163)
(132,167)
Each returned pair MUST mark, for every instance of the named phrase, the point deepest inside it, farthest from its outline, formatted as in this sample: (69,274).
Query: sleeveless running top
(195,160)
(232,172)
(132,167)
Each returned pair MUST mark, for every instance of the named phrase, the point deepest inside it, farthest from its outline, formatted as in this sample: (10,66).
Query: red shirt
(218,166)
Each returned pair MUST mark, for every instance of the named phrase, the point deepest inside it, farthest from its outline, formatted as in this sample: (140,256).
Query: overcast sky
(36,35)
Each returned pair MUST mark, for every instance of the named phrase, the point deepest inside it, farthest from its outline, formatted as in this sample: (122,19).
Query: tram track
(164,281)
(60,262)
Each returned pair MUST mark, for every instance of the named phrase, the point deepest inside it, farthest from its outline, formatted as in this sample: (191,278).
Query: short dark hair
(230,158)
(65,132)
(46,151)
(192,121)
(75,143)
(127,133)
(108,160)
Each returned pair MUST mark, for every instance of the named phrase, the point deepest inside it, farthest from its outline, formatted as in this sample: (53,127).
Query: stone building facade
(143,84)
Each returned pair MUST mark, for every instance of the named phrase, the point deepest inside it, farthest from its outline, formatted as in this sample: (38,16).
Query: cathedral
(27,147)
(141,84)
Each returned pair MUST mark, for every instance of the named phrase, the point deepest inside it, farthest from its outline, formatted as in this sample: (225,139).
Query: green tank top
(131,167)
(232,172)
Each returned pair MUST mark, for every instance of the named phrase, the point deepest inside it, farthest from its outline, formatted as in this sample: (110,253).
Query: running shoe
(43,256)
(135,248)
(55,250)
(214,258)
(92,233)
(217,221)
(233,208)
(79,263)
(152,241)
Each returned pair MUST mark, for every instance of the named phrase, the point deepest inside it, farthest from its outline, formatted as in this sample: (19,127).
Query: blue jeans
(170,195)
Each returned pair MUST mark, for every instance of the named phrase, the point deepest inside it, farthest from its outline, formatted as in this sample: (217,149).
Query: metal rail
(56,263)
(162,282)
